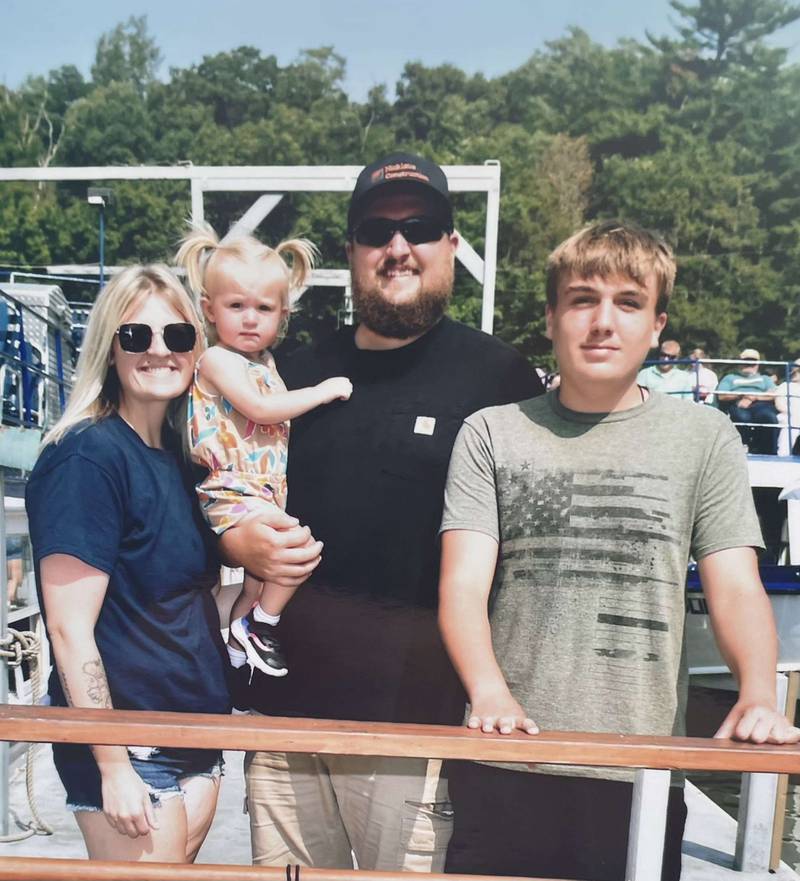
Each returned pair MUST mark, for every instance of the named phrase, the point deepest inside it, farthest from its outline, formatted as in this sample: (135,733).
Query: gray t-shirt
(596,516)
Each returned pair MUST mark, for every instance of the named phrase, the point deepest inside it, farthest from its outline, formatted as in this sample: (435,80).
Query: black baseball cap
(406,170)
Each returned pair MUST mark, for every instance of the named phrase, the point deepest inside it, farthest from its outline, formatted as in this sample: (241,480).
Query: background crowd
(761,399)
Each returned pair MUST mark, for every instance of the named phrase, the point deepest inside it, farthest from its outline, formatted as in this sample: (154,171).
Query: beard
(410,318)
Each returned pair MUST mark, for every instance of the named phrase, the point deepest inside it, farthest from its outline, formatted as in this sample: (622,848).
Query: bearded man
(367,476)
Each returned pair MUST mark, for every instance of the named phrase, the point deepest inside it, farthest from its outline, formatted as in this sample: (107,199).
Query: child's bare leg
(274,598)
(251,590)
(254,616)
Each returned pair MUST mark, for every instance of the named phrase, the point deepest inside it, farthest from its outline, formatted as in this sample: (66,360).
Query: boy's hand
(502,714)
(336,388)
(758,723)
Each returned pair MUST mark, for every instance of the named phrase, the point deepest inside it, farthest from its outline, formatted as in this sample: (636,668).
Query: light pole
(100,196)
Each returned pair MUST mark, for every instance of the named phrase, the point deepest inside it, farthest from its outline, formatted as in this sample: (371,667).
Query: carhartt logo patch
(425,425)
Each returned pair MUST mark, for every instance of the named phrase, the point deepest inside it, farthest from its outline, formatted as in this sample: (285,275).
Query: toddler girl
(239,408)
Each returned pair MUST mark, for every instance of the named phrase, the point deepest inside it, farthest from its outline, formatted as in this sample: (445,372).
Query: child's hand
(337,388)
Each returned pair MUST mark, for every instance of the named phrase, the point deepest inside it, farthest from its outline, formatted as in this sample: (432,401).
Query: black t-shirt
(367,475)
(102,495)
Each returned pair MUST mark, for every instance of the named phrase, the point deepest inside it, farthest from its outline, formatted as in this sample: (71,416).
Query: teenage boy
(568,523)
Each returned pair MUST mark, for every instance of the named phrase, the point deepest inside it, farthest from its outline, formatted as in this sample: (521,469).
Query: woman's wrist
(111,760)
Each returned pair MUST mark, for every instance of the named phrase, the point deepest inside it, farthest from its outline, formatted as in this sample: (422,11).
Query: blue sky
(376,38)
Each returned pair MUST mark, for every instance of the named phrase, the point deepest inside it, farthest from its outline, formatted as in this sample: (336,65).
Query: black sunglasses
(666,356)
(378,231)
(178,337)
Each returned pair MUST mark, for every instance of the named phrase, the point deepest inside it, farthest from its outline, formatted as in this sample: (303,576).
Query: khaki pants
(391,813)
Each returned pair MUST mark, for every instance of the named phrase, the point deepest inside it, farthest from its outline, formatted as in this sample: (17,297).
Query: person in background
(704,380)
(125,569)
(787,403)
(748,396)
(15,545)
(666,377)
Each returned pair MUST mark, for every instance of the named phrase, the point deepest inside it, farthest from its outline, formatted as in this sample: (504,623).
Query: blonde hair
(201,247)
(612,247)
(95,394)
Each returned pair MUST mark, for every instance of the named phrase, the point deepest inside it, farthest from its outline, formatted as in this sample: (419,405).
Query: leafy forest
(695,133)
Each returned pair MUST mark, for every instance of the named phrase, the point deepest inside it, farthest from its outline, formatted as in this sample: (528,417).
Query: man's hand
(757,722)
(274,548)
(502,714)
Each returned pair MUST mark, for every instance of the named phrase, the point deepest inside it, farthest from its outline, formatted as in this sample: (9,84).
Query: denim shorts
(161,770)
(14,547)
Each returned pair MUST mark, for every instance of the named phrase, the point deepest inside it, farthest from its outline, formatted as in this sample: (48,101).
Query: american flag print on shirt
(594,544)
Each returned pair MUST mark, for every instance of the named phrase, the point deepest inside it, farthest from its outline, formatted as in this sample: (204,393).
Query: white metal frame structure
(271,181)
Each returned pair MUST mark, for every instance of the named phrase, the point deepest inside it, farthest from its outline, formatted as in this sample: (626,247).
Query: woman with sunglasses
(124,572)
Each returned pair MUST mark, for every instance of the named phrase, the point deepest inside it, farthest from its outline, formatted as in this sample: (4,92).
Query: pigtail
(196,248)
(303,255)
(201,244)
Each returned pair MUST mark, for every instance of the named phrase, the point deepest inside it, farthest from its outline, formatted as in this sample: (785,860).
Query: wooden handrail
(135,728)
(14,868)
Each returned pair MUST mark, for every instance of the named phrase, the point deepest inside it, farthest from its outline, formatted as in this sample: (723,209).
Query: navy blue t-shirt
(102,495)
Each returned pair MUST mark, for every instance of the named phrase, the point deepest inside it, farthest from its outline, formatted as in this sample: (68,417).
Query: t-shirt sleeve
(726,383)
(75,507)
(725,515)
(470,497)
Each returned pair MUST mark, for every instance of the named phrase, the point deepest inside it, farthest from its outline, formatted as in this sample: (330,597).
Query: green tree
(696,133)
(109,127)
(127,54)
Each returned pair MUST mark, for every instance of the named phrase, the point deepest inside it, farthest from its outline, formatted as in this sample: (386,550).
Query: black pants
(516,823)
(758,440)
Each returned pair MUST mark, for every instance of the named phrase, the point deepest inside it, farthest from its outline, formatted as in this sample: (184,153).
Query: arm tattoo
(97,684)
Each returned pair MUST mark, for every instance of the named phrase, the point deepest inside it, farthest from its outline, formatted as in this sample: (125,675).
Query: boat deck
(708,844)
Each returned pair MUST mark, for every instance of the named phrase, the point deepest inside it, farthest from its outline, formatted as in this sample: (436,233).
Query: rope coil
(17,647)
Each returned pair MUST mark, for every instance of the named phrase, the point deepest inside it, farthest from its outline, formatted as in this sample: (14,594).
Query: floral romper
(246,461)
